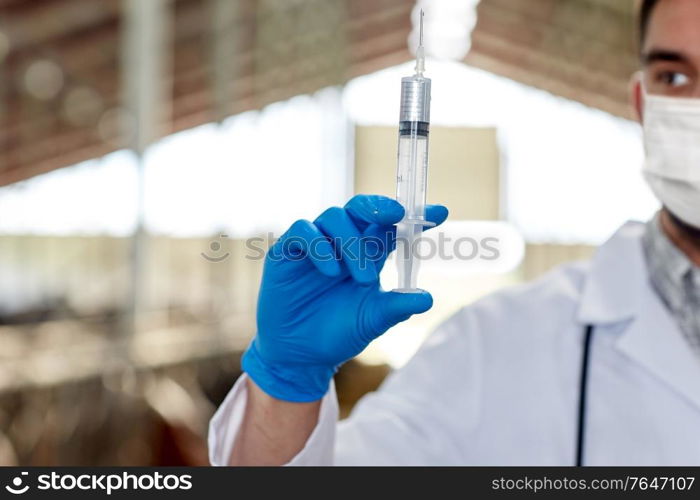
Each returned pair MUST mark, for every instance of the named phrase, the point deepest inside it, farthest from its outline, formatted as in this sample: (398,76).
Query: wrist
(293,383)
(270,405)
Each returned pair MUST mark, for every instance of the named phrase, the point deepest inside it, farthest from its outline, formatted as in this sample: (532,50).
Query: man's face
(671,52)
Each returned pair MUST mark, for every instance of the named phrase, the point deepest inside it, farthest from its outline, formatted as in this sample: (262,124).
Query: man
(595,364)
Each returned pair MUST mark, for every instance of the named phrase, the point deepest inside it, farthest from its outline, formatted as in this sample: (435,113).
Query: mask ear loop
(638,78)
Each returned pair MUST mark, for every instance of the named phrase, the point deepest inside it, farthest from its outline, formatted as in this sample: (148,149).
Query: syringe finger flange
(418,222)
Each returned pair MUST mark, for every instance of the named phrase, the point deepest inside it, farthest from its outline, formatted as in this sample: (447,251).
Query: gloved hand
(320,302)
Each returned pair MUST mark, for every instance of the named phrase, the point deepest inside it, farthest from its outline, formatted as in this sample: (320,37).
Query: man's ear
(637,96)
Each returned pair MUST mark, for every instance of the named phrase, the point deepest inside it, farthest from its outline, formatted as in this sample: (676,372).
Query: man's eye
(673,78)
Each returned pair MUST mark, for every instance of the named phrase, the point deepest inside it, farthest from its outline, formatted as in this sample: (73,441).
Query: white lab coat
(498,383)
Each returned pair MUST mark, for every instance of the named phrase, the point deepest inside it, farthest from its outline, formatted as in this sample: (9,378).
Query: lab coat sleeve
(227,420)
(425,413)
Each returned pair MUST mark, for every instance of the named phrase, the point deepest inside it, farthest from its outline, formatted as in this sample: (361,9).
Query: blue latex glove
(320,302)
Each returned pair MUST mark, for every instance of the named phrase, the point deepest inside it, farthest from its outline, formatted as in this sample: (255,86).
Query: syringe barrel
(414,128)
(412,176)
(412,170)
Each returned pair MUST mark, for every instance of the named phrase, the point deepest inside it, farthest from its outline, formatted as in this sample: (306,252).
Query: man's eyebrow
(656,55)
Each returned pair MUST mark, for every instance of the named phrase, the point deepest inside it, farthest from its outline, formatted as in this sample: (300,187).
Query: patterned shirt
(675,279)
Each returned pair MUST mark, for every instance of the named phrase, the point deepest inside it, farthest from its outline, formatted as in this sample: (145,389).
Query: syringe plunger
(415,99)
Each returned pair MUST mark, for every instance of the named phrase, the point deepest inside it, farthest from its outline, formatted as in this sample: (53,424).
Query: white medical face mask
(672,142)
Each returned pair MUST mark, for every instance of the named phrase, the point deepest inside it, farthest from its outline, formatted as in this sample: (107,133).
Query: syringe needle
(420,53)
(420,42)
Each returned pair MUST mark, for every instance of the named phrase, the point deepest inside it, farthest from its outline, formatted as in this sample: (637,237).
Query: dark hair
(645,11)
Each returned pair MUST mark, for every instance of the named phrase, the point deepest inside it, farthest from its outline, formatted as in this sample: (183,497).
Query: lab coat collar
(618,275)
(618,290)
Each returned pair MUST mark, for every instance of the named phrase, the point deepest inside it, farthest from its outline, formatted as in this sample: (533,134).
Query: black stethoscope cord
(583,396)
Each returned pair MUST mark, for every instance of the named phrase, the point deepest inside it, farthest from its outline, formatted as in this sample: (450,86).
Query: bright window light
(257,172)
(94,197)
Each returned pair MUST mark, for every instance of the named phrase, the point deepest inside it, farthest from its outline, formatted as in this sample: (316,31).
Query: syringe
(412,174)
